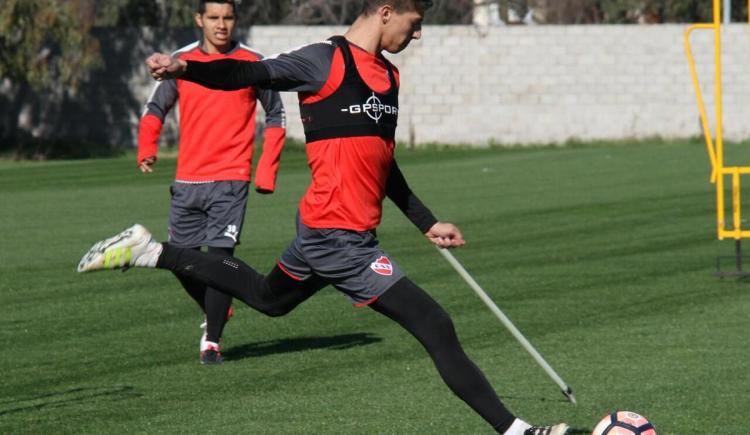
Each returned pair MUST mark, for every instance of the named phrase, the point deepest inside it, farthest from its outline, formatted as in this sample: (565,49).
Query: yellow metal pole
(720,213)
(715,142)
(736,203)
(699,96)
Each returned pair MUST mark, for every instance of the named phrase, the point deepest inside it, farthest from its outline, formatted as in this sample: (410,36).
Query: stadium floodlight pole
(565,388)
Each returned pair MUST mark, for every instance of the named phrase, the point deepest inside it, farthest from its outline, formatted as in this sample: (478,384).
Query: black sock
(426,320)
(216,303)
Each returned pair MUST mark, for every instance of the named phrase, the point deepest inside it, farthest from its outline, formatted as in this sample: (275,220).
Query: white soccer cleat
(132,247)
(558,429)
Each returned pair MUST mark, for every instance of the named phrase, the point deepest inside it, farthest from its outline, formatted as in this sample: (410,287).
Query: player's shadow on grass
(272,347)
(69,397)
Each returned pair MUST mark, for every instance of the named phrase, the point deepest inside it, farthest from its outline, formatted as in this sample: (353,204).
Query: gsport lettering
(373,108)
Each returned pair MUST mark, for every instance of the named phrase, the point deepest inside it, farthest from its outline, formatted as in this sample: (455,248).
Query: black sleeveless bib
(353,109)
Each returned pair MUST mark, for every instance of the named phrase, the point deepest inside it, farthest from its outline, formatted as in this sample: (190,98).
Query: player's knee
(272,310)
(441,323)
(436,328)
(439,337)
(266,301)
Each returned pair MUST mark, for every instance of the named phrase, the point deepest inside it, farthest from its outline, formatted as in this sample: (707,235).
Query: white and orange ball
(624,423)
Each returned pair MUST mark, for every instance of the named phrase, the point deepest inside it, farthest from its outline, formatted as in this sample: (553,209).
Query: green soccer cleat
(132,247)
(558,429)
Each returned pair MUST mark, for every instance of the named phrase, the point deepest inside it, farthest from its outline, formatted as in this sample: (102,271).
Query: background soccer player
(349,105)
(217,131)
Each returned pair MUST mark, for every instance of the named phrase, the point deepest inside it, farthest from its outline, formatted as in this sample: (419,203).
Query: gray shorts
(207,214)
(351,261)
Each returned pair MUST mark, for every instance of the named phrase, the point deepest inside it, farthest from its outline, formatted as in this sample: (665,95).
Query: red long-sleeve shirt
(217,128)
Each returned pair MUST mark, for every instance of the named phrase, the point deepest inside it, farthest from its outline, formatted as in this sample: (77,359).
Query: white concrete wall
(509,85)
(540,84)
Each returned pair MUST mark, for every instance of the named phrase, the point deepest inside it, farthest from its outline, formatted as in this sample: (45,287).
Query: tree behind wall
(46,48)
(47,42)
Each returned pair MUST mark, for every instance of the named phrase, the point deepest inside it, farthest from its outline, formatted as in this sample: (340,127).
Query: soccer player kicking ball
(217,131)
(349,105)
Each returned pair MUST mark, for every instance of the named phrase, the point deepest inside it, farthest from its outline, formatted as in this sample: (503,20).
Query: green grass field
(603,256)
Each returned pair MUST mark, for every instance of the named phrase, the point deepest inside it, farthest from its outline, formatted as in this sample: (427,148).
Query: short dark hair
(370,6)
(202,5)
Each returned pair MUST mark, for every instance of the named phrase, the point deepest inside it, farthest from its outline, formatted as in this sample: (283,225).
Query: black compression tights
(276,294)
(426,320)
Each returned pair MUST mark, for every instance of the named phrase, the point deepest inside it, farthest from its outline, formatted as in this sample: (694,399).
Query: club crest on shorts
(382,266)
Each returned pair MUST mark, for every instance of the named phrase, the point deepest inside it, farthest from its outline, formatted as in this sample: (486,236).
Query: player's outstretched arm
(445,235)
(224,74)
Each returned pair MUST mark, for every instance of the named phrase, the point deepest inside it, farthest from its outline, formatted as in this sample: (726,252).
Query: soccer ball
(624,423)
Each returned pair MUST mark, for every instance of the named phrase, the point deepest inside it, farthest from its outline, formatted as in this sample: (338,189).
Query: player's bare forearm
(445,235)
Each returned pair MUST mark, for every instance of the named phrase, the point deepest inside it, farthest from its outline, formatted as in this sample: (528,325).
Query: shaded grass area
(602,255)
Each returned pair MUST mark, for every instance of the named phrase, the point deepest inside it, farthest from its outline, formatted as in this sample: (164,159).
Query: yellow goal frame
(715,140)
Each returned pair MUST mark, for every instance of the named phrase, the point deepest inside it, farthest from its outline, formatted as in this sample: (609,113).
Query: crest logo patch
(382,266)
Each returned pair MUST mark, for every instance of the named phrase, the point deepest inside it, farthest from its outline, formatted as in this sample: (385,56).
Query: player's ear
(199,20)
(385,12)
